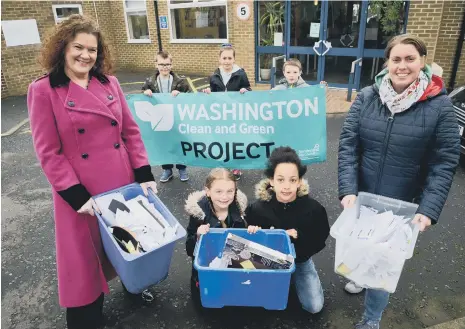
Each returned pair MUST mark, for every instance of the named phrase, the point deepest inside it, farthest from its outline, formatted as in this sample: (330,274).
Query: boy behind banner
(166,81)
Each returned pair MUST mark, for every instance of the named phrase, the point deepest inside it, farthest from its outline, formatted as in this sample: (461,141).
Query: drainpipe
(458,52)
(155,4)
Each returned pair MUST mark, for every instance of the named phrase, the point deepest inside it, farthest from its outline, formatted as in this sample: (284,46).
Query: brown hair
(219,173)
(293,62)
(52,56)
(164,54)
(216,174)
(406,39)
(227,47)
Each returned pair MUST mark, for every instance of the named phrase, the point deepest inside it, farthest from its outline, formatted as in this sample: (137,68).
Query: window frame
(132,10)
(55,7)
(196,4)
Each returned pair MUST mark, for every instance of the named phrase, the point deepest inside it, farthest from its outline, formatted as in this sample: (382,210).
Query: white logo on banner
(161,116)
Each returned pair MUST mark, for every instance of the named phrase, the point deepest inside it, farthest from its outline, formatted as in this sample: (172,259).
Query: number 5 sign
(243,11)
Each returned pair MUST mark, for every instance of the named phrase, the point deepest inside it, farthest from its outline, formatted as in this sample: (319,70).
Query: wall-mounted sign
(315,30)
(14,32)
(163,22)
(243,11)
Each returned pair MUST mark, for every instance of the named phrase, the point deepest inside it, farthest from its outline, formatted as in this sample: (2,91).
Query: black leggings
(87,316)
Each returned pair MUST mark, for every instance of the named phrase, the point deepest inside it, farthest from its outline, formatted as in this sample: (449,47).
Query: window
(135,15)
(203,21)
(61,12)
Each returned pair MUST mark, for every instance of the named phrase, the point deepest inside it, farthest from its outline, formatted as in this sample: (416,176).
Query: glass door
(344,23)
(304,35)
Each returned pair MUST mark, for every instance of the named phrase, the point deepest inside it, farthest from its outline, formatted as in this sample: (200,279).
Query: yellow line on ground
(130,83)
(12,130)
(198,79)
(204,86)
(189,81)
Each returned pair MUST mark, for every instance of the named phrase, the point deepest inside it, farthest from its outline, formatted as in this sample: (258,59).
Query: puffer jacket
(200,212)
(306,215)
(237,81)
(284,85)
(411,156)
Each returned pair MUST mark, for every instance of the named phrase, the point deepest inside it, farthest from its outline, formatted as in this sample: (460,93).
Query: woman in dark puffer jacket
(400,139)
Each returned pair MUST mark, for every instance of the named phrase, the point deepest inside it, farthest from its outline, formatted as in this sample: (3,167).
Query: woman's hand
(88,208)
(253,229)
(348,201)
(175,93)
(207,91)
(148,92)
(203,229)
(243,90)
(145,186)
(422,221)
(292,233)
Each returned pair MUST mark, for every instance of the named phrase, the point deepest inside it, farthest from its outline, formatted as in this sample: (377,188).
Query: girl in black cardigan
(284,203)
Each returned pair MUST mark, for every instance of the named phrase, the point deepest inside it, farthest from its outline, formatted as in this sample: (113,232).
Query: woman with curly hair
(87,143)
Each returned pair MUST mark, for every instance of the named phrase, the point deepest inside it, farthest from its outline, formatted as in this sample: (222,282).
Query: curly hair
(284,154)
(52,56)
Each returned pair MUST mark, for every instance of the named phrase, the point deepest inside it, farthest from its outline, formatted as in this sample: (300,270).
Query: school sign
(231,130)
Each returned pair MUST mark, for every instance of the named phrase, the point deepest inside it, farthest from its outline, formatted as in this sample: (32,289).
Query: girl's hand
(253,229)
(203,229)
(207,91)
(175,93)
(148,92)
(292,233)
(243,90)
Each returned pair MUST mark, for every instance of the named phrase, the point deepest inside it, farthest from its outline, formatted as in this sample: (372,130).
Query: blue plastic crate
(241,287)
(140,271)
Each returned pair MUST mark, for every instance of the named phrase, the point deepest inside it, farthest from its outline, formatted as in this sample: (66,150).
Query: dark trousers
(86,317)
(170,166)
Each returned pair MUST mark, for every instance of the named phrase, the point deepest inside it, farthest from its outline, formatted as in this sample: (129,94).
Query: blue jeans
(308,286)
(375,303)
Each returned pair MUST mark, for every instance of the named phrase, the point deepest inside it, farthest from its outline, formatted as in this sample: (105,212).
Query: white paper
(314,30)
(103,203)
(20,32)
(201,19)
(278,39)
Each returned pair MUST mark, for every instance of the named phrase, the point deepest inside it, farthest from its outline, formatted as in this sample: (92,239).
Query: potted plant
(272,23)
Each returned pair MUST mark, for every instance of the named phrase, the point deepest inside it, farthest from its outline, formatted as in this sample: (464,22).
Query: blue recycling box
(140,271)
(240,287)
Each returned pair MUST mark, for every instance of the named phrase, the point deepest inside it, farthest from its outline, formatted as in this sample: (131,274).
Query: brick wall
(19,63)
(438,22)
(424,20)
(194,58)
(447,41)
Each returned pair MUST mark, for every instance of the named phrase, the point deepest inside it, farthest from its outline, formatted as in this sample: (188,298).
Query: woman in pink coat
(87,143)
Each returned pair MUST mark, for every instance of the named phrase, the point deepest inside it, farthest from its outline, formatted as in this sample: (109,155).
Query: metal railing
(353,72)
(273,69)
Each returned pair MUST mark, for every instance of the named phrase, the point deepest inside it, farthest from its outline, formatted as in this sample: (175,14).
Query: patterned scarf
(397,103)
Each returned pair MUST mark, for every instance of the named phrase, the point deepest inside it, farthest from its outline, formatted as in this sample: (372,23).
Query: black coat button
(114,123)
(85,155)
(81,130)
(71,103)
(117,145)
(110,97)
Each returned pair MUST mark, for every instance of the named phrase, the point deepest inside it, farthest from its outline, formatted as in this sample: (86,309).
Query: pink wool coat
(87,143)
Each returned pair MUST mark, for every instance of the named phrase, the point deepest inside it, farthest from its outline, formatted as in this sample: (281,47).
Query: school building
(331,38)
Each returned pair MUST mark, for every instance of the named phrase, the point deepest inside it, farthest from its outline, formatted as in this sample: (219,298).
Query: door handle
(316,45)
(328,47)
